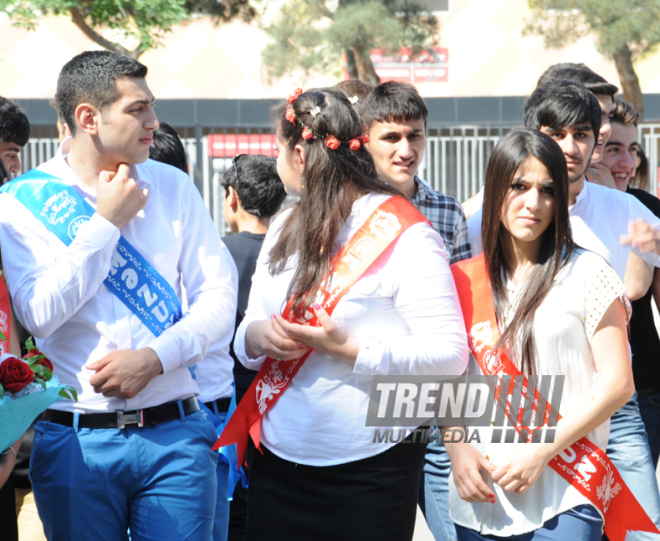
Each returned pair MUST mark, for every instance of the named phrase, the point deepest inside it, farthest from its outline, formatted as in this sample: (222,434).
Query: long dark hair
(333,179)
(556,241)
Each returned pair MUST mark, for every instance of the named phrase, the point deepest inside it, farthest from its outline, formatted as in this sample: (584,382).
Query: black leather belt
(221,403)
(120,419)
(644,392)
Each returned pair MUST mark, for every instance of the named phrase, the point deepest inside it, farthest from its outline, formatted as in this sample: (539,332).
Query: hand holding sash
(329,338)
(125,372)
(262,338)
(118,197)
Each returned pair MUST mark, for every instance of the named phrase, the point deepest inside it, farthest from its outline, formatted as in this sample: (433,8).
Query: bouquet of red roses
(27,388)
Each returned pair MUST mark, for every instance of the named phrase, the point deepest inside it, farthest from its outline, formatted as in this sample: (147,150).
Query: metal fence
(454,163)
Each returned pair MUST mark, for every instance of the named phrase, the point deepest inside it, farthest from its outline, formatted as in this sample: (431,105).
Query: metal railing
(454,163)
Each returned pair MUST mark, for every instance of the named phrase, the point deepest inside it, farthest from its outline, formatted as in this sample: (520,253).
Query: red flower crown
(330,140)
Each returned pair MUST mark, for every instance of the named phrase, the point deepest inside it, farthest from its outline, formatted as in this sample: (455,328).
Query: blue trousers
(221,520)
(649,408)
(582,523)
(95,484)
(434,492)
(628,449)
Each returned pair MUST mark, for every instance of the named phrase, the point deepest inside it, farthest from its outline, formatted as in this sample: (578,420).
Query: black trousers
(373,499)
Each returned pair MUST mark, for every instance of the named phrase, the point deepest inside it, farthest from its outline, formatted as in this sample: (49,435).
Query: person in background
(620,158)
(640,177)
(254,193)
(14,135)
(355,90)
(395,115)
(213,373)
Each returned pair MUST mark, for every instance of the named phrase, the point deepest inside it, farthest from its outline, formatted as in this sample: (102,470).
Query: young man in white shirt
(607,222)
(134,451)
(396,116)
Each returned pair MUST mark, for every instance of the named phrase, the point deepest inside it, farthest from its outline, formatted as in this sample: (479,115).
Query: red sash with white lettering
(5,319)
(597,478)
(380,230)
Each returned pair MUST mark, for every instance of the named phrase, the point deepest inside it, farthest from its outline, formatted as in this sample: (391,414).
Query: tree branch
(79,21)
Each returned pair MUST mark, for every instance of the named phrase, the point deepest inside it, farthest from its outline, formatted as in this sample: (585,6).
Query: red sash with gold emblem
(583,464)
(5,319)
(380,230)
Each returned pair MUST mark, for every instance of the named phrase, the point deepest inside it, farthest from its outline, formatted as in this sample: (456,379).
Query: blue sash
(132,279)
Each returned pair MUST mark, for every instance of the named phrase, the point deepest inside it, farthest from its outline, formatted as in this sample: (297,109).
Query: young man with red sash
(363,288)
(97,243)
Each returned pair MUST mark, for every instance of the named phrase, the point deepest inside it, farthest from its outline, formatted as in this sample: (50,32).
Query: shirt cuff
(371,358)
(99,233)
(167,351)
(239,349)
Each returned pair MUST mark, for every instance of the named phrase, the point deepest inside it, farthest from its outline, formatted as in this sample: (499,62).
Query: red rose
(294,95)
(15,374)
(307,134)
(290,115)
(332,142)
(354,144)
(365,138)
(43,362)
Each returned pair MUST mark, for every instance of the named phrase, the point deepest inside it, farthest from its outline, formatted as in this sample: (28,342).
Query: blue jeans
(434,492)
(221,521)
(628,449)
(582,523)
(649,408)
(96,483)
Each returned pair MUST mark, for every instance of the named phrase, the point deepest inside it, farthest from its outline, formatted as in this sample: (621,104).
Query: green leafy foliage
(147,21)
(615,23)
(313,35)
(69,393)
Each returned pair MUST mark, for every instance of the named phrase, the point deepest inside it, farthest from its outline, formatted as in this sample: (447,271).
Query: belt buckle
(136,418)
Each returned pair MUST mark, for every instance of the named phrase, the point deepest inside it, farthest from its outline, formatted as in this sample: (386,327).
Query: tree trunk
(79,20)
(365,69)
(632,92)
(350,65)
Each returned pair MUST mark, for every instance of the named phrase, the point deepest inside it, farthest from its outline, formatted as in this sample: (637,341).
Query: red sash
(5,318)
(380,230)
(583,464)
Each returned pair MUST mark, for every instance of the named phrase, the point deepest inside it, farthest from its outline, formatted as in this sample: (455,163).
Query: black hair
(559,104)
(257,184)
(393,102)
(14,123)
(507,160)
(578,73)
(337,170)
(168,148)
(91,77)
(354,87)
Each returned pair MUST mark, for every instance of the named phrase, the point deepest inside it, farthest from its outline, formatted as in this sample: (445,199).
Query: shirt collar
(67,175)
(423,191)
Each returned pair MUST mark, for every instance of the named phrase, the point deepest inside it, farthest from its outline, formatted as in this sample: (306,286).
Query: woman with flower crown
(354,243)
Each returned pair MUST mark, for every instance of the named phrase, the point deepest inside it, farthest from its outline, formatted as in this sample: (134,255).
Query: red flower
(15,374)
(307,134)
(294,95)
(355,144)
(365,138)
(332,142)
(43,362)
(290,115)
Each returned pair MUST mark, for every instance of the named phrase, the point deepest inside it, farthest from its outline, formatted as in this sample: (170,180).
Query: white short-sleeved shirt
(563,327)
(405,314)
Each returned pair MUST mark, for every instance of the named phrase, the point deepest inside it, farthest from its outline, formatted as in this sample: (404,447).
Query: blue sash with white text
(132,279)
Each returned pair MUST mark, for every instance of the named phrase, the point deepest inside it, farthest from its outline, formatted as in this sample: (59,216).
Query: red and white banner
(583,464)
(231,144)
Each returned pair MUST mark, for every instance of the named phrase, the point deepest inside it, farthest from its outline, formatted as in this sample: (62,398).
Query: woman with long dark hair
(354,243)
(557,310)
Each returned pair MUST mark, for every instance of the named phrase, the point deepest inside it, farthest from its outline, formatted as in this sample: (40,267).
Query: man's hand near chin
(599,174)
(124,373)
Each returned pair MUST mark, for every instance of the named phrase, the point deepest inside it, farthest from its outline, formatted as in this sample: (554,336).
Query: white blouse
(563,327)
(407,318)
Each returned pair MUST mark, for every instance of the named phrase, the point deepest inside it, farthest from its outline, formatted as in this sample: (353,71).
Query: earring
(302,183)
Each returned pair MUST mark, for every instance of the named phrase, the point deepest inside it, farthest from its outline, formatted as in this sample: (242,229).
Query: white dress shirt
(406,316)
(60,298)
(564,324)
(598,219)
